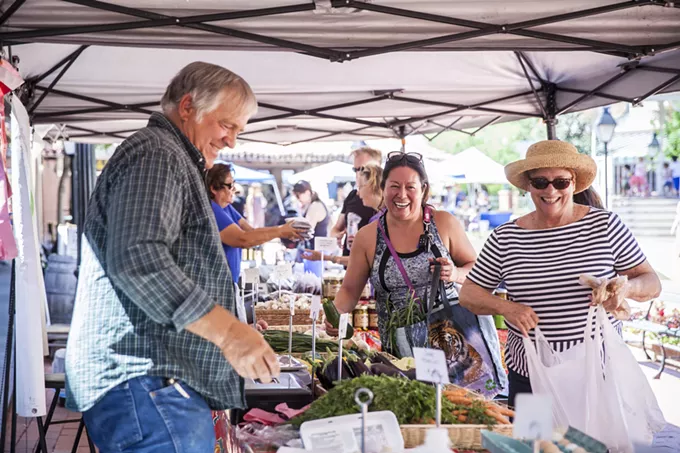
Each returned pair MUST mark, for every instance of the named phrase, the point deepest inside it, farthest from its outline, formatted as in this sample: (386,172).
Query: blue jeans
(146,415)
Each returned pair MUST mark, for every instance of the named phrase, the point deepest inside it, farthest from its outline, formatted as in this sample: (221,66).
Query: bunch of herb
(410,401)
(412,313)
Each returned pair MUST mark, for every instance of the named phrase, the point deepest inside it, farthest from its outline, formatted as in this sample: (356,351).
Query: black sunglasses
(557,183)
(397,157)
(228,185)
(357,169)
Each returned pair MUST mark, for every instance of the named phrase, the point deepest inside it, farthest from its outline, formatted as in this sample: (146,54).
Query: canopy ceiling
(342,70)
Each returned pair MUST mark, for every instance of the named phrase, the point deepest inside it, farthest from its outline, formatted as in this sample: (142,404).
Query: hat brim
(584,167)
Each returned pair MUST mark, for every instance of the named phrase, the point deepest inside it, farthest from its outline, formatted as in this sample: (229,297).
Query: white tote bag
(597,387)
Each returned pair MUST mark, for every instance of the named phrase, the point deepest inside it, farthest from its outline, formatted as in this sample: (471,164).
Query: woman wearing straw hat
(541,255)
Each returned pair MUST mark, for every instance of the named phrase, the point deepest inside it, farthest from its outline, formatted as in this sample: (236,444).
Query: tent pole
(551,110)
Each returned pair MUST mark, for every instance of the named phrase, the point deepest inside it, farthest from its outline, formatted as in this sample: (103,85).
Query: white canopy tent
(353,70)
(474,167)
(335,171)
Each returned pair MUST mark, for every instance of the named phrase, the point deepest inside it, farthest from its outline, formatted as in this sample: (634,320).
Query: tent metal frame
(542,90)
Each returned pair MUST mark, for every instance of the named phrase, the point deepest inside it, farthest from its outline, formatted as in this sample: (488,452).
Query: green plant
(672,135)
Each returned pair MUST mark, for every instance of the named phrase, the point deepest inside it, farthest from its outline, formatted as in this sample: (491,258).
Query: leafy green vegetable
(411,401)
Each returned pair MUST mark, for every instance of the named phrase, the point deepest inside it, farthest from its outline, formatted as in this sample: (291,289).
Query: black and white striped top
(541,268)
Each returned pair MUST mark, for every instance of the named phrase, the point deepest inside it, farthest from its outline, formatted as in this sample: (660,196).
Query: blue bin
(495,218)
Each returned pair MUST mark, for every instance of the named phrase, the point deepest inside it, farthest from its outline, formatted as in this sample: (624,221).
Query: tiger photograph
(465,364)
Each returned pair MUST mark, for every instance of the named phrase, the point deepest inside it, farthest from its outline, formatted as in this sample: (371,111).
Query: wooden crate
(281,317)
(462,436)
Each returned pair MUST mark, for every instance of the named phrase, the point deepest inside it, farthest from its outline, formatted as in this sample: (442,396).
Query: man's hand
(249,353)
(289,232)
(520,316)
(261,325)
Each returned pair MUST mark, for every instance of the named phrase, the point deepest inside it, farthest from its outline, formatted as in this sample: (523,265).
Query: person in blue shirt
(235,231)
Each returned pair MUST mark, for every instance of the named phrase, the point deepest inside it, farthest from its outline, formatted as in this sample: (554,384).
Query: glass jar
(361,317)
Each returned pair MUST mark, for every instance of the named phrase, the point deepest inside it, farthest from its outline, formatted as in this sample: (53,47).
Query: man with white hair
(154,343)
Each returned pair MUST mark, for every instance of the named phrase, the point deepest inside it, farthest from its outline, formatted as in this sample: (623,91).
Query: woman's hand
(520,316)
(616,300)
(289,232)
(311,255)
(449,271)
(330,330)
(261,325)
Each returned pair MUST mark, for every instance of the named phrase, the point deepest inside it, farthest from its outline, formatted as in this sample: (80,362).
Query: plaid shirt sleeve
(145,218)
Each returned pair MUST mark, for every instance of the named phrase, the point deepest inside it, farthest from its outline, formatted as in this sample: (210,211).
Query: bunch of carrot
(467,405)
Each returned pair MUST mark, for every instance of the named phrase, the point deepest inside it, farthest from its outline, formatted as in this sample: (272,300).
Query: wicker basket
(281,317)
(462,436)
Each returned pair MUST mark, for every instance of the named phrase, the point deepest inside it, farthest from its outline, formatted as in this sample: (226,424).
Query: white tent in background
(335,171)
(474,167)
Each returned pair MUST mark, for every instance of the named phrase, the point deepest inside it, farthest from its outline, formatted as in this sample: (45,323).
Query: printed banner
(31,298)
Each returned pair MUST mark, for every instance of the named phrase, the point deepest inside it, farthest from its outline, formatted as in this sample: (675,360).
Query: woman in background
(313,209)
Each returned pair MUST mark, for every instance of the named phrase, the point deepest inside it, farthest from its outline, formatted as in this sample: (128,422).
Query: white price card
(431,365)
(342,327)
(283,271)
(325,244)
(252,276)
(292,307)
(315,308)
(533,417)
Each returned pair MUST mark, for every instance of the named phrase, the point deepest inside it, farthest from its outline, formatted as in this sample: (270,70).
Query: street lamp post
(605,132)
(654,148)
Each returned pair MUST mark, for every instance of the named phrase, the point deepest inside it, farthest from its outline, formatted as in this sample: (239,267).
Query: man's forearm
(214,326)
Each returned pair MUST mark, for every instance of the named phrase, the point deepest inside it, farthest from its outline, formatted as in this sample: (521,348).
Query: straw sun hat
(552,154)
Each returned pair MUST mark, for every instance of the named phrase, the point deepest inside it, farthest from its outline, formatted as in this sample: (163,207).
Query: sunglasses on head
(357,169)
(557,183)
(397,157)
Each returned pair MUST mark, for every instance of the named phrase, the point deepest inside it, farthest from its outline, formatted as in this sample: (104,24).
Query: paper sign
(533,417)
(315,308)
(342,327)
(431,365)
(283,271)
(325,244)
(252,275)
(292,307)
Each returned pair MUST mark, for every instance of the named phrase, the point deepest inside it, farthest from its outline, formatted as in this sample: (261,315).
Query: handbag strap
(427,219)
(397,260)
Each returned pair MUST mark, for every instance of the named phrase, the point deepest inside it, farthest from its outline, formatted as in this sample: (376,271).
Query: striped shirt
(540,268)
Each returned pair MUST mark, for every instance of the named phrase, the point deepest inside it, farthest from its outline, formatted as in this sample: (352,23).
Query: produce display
(302,343)
(300,302)
(333,317)
(412,402)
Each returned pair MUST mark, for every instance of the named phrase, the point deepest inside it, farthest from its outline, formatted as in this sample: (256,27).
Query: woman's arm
(315,255)
(643,283)
(235,236)
(315,213)
(481,302)
(458,244)
(358,270)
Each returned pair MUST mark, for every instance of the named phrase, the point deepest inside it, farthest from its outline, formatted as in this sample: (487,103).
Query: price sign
(431,365)
(315,308)
(533,417)
(325,244)
(252,276)
(292,307)
(342,327)
(283,271)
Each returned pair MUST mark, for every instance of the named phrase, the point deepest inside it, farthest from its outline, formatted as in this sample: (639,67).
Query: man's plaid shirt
(152,263)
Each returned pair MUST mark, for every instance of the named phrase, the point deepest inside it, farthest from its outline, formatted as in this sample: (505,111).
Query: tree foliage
(672,134)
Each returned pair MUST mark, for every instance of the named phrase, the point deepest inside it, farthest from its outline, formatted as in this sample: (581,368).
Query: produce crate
(281,317)
(462,436)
